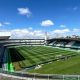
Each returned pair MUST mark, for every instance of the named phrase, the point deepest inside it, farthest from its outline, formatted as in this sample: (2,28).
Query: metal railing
(26,76)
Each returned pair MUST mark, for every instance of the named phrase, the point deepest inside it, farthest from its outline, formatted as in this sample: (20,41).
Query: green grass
(34,55)
(38,54)
(70,66)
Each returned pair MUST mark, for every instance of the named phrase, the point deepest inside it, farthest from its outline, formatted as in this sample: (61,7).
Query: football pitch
(52,60)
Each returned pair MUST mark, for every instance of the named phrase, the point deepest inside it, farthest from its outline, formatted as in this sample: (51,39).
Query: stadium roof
(4,35)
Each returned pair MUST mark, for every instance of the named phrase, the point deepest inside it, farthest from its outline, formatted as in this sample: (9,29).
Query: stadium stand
(77,44)
(65,43)
(70,44)
(7,57)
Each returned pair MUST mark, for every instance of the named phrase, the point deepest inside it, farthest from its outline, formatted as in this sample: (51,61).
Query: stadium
(40,59)
(39,39)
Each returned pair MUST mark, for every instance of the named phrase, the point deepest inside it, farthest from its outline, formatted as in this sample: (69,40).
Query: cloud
(1,24)
(4,23)
(30,28)
(7,23)
(25,33)
(47,23)
(24,11)
(61,31)
(76,30)
(63,26)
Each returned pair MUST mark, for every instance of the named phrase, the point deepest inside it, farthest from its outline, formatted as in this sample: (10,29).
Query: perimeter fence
(6,75)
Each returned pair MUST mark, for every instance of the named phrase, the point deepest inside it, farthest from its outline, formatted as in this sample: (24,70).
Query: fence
(4,75)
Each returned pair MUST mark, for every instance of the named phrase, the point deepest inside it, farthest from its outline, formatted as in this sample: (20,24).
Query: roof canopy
(4,35)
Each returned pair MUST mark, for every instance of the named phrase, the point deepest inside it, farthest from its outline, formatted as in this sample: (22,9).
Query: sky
(32,18)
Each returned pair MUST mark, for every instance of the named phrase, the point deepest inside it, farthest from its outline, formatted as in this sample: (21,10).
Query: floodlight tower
(46,38)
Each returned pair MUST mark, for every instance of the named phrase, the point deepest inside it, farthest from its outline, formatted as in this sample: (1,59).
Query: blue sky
(39,16)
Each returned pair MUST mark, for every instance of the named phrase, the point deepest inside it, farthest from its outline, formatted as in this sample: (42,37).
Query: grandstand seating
(59,43)
(70,44)
(76,45)
(65,44)
(52,44)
